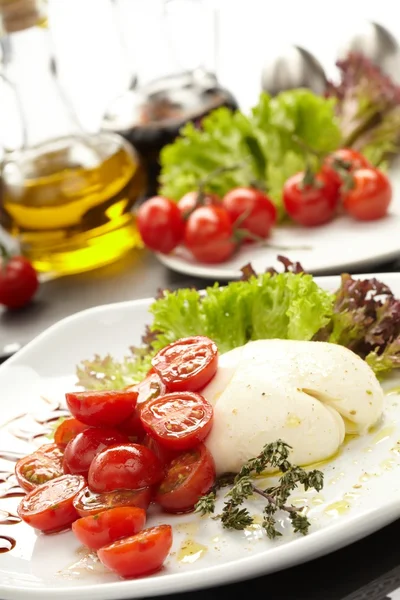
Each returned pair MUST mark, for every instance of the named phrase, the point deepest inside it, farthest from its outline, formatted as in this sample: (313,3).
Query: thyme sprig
(234,516)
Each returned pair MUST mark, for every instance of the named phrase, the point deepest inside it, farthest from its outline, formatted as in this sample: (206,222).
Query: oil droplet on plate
(293,421)
(338,477)
(383,434)
(189,528)
(350,496)
(393,391)
(190,551)
(317,500)
(337,508)
(389,464)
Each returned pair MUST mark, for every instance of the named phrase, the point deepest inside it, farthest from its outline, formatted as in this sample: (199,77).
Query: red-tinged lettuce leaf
(387,360)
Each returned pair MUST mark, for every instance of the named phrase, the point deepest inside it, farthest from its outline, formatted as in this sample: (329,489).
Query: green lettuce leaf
(267,145)
(285,305)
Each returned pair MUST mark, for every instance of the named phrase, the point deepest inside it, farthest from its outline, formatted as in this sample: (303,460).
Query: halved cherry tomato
(179,420)
(188,477)
(140,554)
(257,211)
(67,431)
(151,387)
(313,204)
(209,234)
(102,409)
(164,454)
(109,526)
(187,364)
(80,451)
(39,467)
(50,507)
(188,202)
(128,466)
(89,503)
(369,197)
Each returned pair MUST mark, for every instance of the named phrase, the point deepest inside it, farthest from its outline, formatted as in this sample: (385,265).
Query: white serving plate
(342,244)
(361,493)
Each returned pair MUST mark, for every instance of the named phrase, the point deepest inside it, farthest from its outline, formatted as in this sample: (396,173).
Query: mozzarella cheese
(309,394)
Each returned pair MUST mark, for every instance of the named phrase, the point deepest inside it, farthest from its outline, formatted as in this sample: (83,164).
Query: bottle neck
(30,68)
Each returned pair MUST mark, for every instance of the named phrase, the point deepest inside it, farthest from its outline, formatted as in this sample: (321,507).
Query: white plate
(339,245)
(361,495)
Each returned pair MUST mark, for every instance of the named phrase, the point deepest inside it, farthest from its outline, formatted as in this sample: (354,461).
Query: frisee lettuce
(279,127)
(284,305)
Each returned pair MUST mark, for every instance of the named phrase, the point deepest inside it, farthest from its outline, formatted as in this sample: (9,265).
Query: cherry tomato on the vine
(188,202)
(344,160)
(187,364)
(311,204)
(252,209)
(370,195)
(178,421)
(209,234)
(18,281)
(160,224)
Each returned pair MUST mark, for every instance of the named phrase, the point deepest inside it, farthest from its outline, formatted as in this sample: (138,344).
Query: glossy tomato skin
(81,450)
(345,159)
(165,455)
(188,202)
(148,389)
(103,408)
(49,507)
(18,282)
(160,224)
(39,467)
(260,210)
(188,477)
(138,555)
(178,421)
(127,466)
(109,526)
(209,235)
(311,205)
(370,197)
(88,503)
(187,364)
(67,431)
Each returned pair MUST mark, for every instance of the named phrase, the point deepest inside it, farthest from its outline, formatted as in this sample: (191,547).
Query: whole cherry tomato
(89,503)
(140,554)
(187,364)
(127,466)
(189,201)
(369,197)
(49,507)
(342,161)
(105,408)
(188,477)
(209,234)
(81,450)
(254,210)
(178,421)
(160,224)
(39,467)
(18,280)
(311,204)
(109,526)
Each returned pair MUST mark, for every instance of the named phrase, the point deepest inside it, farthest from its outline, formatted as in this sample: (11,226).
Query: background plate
(361,494)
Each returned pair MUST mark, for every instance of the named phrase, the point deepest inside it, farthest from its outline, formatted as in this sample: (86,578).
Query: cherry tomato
(140,554)
(209,234)
(342,161)
(80,451)
(89,503)
(261,212)
(160,224)
(370,197)
(179,420)
(188,202)
(151,387)
(67,431)
(18,281)
(109,526)
(102,409)
(50,507)
(187,364)
(164,454)
(311,205)
(128,466)
(188,477)
(39,467)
